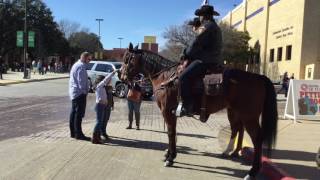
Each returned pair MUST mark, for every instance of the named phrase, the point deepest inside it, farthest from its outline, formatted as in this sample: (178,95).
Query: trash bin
(27,73)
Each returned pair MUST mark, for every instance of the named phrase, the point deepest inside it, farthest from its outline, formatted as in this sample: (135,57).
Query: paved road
(34,107)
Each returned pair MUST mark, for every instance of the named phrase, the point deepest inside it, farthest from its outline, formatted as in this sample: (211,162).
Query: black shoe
(72,136)
(138,128)
(83,137)
(129,127)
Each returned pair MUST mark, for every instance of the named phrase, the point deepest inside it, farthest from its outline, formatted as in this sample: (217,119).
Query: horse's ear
(137,47)
(130,47)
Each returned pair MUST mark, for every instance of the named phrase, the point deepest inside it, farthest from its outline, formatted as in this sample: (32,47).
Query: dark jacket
(207,45)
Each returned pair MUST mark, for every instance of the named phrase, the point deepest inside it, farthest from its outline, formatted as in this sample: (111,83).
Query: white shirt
(101,94)
(78,83)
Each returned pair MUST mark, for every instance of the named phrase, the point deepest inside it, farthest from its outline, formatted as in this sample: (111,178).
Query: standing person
(34,66)
(134,102)
(39,66)
(101,106)
(109,108)
(78,90)
(285,83)
(1,68)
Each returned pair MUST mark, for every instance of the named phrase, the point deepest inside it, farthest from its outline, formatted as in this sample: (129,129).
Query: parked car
(120,88)
(96,68)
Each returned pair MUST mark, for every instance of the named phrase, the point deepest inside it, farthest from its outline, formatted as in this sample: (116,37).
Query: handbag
(134,95)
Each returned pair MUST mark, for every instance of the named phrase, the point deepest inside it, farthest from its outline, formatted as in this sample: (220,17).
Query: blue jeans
(101,116)
(106,119)
(78,109)
(134,106)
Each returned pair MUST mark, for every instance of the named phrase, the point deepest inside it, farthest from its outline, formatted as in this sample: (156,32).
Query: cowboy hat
(195,22)
(206,10)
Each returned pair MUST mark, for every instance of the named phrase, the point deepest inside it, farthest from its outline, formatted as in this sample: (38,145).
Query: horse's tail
(269,116)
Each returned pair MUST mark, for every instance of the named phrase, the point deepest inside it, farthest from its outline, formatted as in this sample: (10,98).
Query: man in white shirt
(78,90)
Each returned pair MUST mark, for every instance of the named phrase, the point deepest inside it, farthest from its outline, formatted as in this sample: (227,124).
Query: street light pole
(120,38)
(99,20)
(25,42)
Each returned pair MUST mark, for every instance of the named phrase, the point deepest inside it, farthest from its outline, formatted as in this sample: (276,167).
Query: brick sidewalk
(17,77)
(131,154)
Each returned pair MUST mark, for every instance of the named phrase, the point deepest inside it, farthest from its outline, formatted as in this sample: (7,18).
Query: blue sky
(131,19)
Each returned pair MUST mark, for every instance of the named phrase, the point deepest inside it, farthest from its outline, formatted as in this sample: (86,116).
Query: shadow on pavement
(300,171)
(293,155)
(183,134)
(208,169)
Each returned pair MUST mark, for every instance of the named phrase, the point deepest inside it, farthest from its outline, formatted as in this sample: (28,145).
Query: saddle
(210,85)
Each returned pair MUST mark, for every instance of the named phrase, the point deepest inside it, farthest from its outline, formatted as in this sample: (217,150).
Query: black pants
(196,70)
(77,113)
(1,74)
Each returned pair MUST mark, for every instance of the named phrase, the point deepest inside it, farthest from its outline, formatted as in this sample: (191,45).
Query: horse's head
(132,64)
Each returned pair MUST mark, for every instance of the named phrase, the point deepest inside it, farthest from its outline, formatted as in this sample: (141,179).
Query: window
(104,68)
(118,66)
(271,55)
(288,52)
(309,72)
(89,66)
(279,57)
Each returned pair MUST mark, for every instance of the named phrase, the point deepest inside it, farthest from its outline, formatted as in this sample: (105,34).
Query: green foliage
(49,39)
(235,45)
(84,41)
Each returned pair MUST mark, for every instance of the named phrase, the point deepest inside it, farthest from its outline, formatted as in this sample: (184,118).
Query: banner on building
(303,101)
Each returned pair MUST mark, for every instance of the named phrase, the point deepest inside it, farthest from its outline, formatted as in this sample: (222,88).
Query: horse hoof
(248,177)
(168,163)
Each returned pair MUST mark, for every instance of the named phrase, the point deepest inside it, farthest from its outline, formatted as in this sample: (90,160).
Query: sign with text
(19,38)
(303,100)
(31,37)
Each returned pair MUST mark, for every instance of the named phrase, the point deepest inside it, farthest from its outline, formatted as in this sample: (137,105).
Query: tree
(49,39)
(84,41)
(68,27)
(235,45)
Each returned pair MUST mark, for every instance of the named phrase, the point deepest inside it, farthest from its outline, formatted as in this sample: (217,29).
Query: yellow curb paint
(244,142)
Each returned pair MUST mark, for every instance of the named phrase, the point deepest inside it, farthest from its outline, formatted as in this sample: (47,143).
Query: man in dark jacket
(203,52)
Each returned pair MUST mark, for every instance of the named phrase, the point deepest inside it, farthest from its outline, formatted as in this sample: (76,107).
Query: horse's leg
(235,153)
(172,151)
(254,130)
(234,130)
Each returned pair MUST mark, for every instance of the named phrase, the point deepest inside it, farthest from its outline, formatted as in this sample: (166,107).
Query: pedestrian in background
(134,101)
(101,107)
(285,84)
(34,66)
(78,90)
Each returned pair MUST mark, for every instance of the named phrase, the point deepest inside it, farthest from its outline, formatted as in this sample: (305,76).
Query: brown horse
(246,96)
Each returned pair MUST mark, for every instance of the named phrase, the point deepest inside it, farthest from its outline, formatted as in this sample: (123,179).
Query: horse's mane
(156,62)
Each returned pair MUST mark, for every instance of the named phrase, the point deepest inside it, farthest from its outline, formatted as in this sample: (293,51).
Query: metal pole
(99,20)
(120,38)
(25,42)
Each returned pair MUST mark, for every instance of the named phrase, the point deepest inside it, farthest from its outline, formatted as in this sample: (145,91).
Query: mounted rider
(203,52)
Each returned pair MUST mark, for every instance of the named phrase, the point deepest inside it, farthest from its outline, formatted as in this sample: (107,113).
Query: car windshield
(118,66)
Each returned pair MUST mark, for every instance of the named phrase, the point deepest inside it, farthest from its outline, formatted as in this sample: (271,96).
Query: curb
(268,168)
(31,80)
